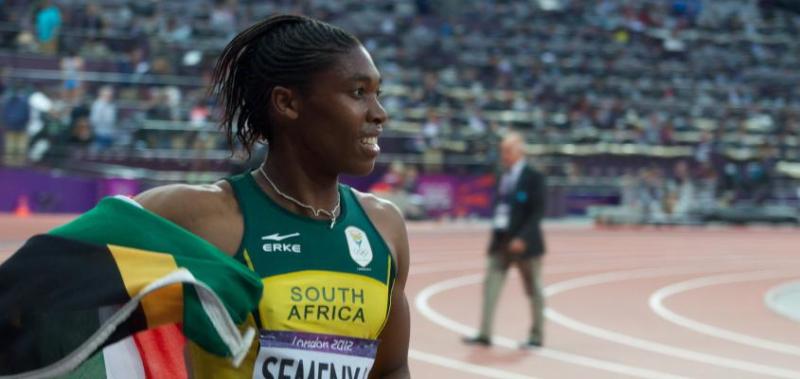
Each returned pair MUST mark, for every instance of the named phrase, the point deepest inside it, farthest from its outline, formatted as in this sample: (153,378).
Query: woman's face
(341,116)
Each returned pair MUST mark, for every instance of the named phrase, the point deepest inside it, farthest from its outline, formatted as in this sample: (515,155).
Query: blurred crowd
(715,78)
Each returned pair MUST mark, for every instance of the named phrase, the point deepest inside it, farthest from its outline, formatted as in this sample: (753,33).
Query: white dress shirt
(509,179)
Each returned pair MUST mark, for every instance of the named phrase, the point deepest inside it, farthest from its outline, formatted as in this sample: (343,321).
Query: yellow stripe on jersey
(248,261)
(325,302)
(389,285)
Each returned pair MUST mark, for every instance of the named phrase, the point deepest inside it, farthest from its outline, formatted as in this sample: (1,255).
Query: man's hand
(517,246)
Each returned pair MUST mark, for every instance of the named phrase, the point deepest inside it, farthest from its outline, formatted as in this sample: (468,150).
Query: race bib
(502,215)
(310,355)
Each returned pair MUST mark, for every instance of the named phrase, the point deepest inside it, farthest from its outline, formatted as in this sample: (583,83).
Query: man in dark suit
(516,239)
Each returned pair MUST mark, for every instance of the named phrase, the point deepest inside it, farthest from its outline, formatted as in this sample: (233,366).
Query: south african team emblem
(358,243)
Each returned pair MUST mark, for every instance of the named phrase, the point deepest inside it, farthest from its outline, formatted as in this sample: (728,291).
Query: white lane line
(422,304)
(464,366)
(618,264)
(452,256)
(596,265)
(773,301)
(600,265)
(441,256)
(474,265)
(455,266)
(643,344)
(657,305)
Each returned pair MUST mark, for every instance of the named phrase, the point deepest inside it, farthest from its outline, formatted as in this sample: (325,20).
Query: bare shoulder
(389,221)
(187,205)
(380,210)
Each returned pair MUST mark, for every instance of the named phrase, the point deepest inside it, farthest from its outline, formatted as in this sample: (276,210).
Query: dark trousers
(530,270)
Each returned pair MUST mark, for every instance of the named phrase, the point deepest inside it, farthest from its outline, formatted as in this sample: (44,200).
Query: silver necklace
(317,212)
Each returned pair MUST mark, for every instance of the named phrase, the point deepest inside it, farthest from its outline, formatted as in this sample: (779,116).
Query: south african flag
(116,283)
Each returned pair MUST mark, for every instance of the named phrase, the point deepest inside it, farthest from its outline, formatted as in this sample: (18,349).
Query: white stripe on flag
(123,360)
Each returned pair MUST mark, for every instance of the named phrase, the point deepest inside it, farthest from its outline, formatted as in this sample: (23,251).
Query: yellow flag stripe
(140,268)
(209,366)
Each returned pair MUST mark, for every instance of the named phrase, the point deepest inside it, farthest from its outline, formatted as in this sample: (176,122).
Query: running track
(641,303)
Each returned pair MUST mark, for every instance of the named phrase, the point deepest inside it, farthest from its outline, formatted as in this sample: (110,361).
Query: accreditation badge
(312,355)
(502,216)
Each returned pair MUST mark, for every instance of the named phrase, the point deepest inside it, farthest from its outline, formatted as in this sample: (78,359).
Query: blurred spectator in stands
(203,139)
(135,63)
(53,116)
(199,114)
(706,184)
(91,21)
(687,10)
(222,18)
(173,98)
(651,129)
(103,118)
(759,175)
(410,179)
(572,173)
(418,37)
(40,105)
(730,184)
(629,193)
(157,105)
(26,41)
(165,105)
(667,134)
(7,15)
(80,110)
(120,16)
(157,109)
(391,179)
(80,134)
(475,122)
(16,113)
(397,185)
(48,23)
(681,192)
(703,151)
(72,66)
(652,194)
(175,30)
(432,129)
(432,95)
(71,142)
(161,66)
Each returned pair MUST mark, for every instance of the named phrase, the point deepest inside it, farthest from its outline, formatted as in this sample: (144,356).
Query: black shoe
(477,340)
(530,344)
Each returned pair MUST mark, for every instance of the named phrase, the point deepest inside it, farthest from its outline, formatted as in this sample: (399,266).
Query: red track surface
(621,303)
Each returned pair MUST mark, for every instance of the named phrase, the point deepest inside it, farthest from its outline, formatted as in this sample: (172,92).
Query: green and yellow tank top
(327,291)
(316,279)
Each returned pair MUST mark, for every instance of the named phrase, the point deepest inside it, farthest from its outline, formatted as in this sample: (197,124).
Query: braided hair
(281,50)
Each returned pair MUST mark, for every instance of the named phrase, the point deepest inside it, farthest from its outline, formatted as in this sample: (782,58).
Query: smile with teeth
(369,140)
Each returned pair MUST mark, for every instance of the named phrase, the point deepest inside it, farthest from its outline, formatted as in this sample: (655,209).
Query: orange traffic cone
(22,209)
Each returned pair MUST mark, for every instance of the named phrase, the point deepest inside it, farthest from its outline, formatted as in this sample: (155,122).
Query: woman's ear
(285,102)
